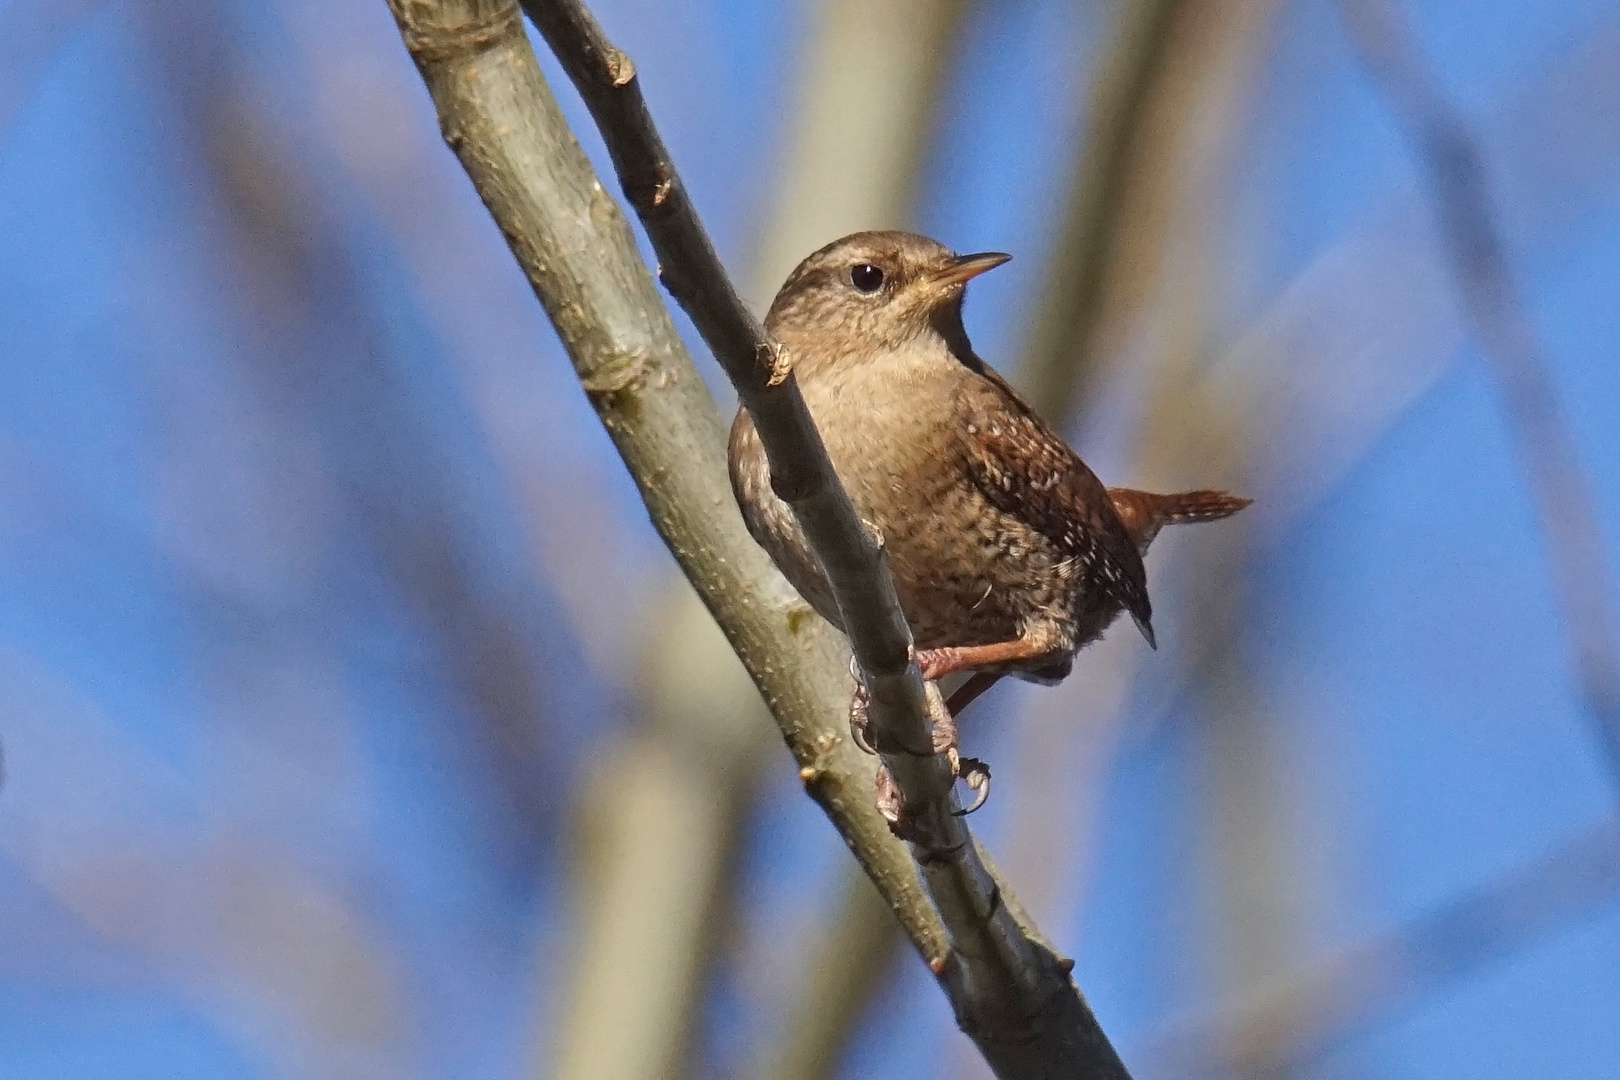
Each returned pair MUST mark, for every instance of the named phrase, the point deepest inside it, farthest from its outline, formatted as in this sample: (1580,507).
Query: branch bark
(1009,992)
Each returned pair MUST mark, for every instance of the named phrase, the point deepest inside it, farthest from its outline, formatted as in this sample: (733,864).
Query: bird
(1008,554)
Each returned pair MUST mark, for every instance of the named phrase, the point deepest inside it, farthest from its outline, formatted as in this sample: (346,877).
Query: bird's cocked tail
(1145,513)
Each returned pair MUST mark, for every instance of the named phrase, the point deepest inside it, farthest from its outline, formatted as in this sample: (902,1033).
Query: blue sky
(315,568)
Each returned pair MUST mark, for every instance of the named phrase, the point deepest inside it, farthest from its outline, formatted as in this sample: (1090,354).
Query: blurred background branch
(1059,362)
(661,815)
(1459,183)
(1278,1028)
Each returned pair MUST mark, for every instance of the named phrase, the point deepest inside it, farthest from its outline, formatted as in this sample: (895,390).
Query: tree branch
(1449,152)
(1574,880)
(1010,994)
(497,113)
(1059,363)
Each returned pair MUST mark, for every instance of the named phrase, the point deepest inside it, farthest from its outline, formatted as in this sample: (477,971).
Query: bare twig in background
(661,817)
(1195,125)
(1460,187)
(1574,880)
(1011,994)
(1059,355)
(1357,320)
(1140,216)
(870,81)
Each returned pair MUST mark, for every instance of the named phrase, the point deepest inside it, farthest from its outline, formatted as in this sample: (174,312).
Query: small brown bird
(1008,554)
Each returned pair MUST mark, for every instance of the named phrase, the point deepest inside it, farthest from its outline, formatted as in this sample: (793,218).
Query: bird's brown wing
(1026,470)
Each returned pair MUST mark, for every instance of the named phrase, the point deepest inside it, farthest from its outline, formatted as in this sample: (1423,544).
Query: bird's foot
(943,740)
(972,771)
(975,773)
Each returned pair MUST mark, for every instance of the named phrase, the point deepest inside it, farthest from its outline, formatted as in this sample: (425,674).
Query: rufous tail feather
(1145,513)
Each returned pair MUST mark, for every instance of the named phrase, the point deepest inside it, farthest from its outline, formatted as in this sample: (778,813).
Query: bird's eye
(866,277)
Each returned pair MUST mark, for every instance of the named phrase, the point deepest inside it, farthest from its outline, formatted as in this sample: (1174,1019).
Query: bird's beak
(967,267)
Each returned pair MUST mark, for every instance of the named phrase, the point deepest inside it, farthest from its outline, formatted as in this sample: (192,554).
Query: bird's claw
(975,773)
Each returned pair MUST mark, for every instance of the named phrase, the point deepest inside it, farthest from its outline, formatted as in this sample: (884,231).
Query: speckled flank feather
(1026,471)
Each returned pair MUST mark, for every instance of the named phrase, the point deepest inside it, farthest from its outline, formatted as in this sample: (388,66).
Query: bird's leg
(942,740)
(1035,646)
(963,696)
(937,663)
(1019,652)
(973,771)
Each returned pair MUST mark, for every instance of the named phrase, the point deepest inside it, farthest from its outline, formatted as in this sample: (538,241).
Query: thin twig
(1010,993)
(1059,359)
(1460,188)
(1573,880)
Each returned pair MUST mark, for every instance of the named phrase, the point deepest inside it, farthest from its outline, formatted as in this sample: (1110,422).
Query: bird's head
(874,291)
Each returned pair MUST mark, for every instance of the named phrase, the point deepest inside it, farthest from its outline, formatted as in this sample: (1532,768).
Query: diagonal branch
(1451,155)
(1010,993)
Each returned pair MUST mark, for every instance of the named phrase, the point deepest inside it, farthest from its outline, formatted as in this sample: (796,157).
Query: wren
(1008,554)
